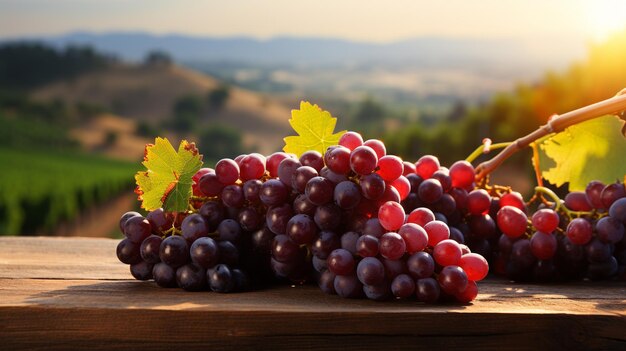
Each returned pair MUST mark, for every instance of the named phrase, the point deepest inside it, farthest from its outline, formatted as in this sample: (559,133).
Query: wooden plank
(73,294)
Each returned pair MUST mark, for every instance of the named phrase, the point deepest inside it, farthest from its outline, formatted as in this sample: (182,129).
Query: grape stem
(614,105)
(559,204)
(481,150)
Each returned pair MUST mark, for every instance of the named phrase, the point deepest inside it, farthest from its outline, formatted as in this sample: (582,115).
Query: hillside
(148,93)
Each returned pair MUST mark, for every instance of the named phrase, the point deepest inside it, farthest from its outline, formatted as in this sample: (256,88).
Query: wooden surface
(58,293)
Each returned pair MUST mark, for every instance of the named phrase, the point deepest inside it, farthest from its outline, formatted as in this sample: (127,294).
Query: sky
(362,20)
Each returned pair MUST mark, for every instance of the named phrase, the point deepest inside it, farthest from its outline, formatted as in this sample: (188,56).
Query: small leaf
(167,181)
(315,129)
(591,150)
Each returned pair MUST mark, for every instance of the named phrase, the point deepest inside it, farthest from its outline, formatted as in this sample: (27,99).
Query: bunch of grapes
(582,237)
(335,218)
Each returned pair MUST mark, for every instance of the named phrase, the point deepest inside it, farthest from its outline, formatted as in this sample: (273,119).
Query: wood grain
(58,293)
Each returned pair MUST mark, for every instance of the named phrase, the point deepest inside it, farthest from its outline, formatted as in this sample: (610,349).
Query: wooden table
(58,293)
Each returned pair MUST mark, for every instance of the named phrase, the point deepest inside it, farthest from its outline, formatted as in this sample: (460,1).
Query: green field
(38,190)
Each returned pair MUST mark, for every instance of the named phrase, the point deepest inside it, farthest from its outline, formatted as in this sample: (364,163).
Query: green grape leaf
(315,129)
(167,181)
(591,150)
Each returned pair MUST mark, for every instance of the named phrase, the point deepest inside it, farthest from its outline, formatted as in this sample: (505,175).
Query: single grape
(618,210)
(274,192)
(367,246)
(514,199)
(391,194)
(415,181)
(335,178)
(380,292)
(319,190)
(174,251)
(430,191)
(521,253)
(421,216)
(414,236)
(277,217)
(302,205)
(195,180)
(347,195)
(220,279)
(348,286)
(338,160)
(210,185)
(478,202)
(227,171)
(402,185)
(378,147)
(301,229)
(204,252)
(213,213)
(577,201)
(391,215)
(372,186)
(447,253)
(390,167)
(160,221)
(128,252)
(328,217)
(612,193)
(142,270)
(445,205)
(351,140)
(403,286)
(326,282)
(301,177)
(460,198)
(436,231)
(240,279)
(469,294)
(427,290)
(545,220)
(273,161)
(251,191)
(512,221)
(319,264)
(462,174)
(284,249)
(603,270)
(370,271)
(348,241)
(229,230)
(286,169)
(325,244)
(475,266)
(452,280)
(232,196)
(391,246)
(597,251)
(137,229)
(250,220)
(579,231)
(363,160)
(374,228)
(262,240)
(126,216)
(610,230)
(426,166)
(194,227)
(408,168)
(149,249)
(444,179)
(482,226)
(252,167)
(164,275)
(191,277)
(593,191)
(313,159)
(543,245)
(341,262)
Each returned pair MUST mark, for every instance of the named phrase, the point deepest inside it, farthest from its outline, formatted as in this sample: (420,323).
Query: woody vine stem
(614,105)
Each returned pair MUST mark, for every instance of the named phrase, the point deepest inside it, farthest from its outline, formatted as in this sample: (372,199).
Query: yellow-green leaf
(167,180)
(592,150)
(315,128)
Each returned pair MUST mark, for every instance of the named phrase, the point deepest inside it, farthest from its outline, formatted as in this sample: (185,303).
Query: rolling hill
(148,92)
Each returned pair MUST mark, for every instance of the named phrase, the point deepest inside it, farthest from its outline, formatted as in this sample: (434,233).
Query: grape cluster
(335,218)
(582,237)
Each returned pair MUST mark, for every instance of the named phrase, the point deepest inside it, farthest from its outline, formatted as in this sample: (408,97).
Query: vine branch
(614,105)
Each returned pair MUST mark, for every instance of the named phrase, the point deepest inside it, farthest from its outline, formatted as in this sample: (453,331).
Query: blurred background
(85,84)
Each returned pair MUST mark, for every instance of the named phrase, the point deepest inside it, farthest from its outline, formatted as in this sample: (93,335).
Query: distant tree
(218,141)
(110,138)
(186,113)
(158,58)
(217,97)
(145,129)
(369,113)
